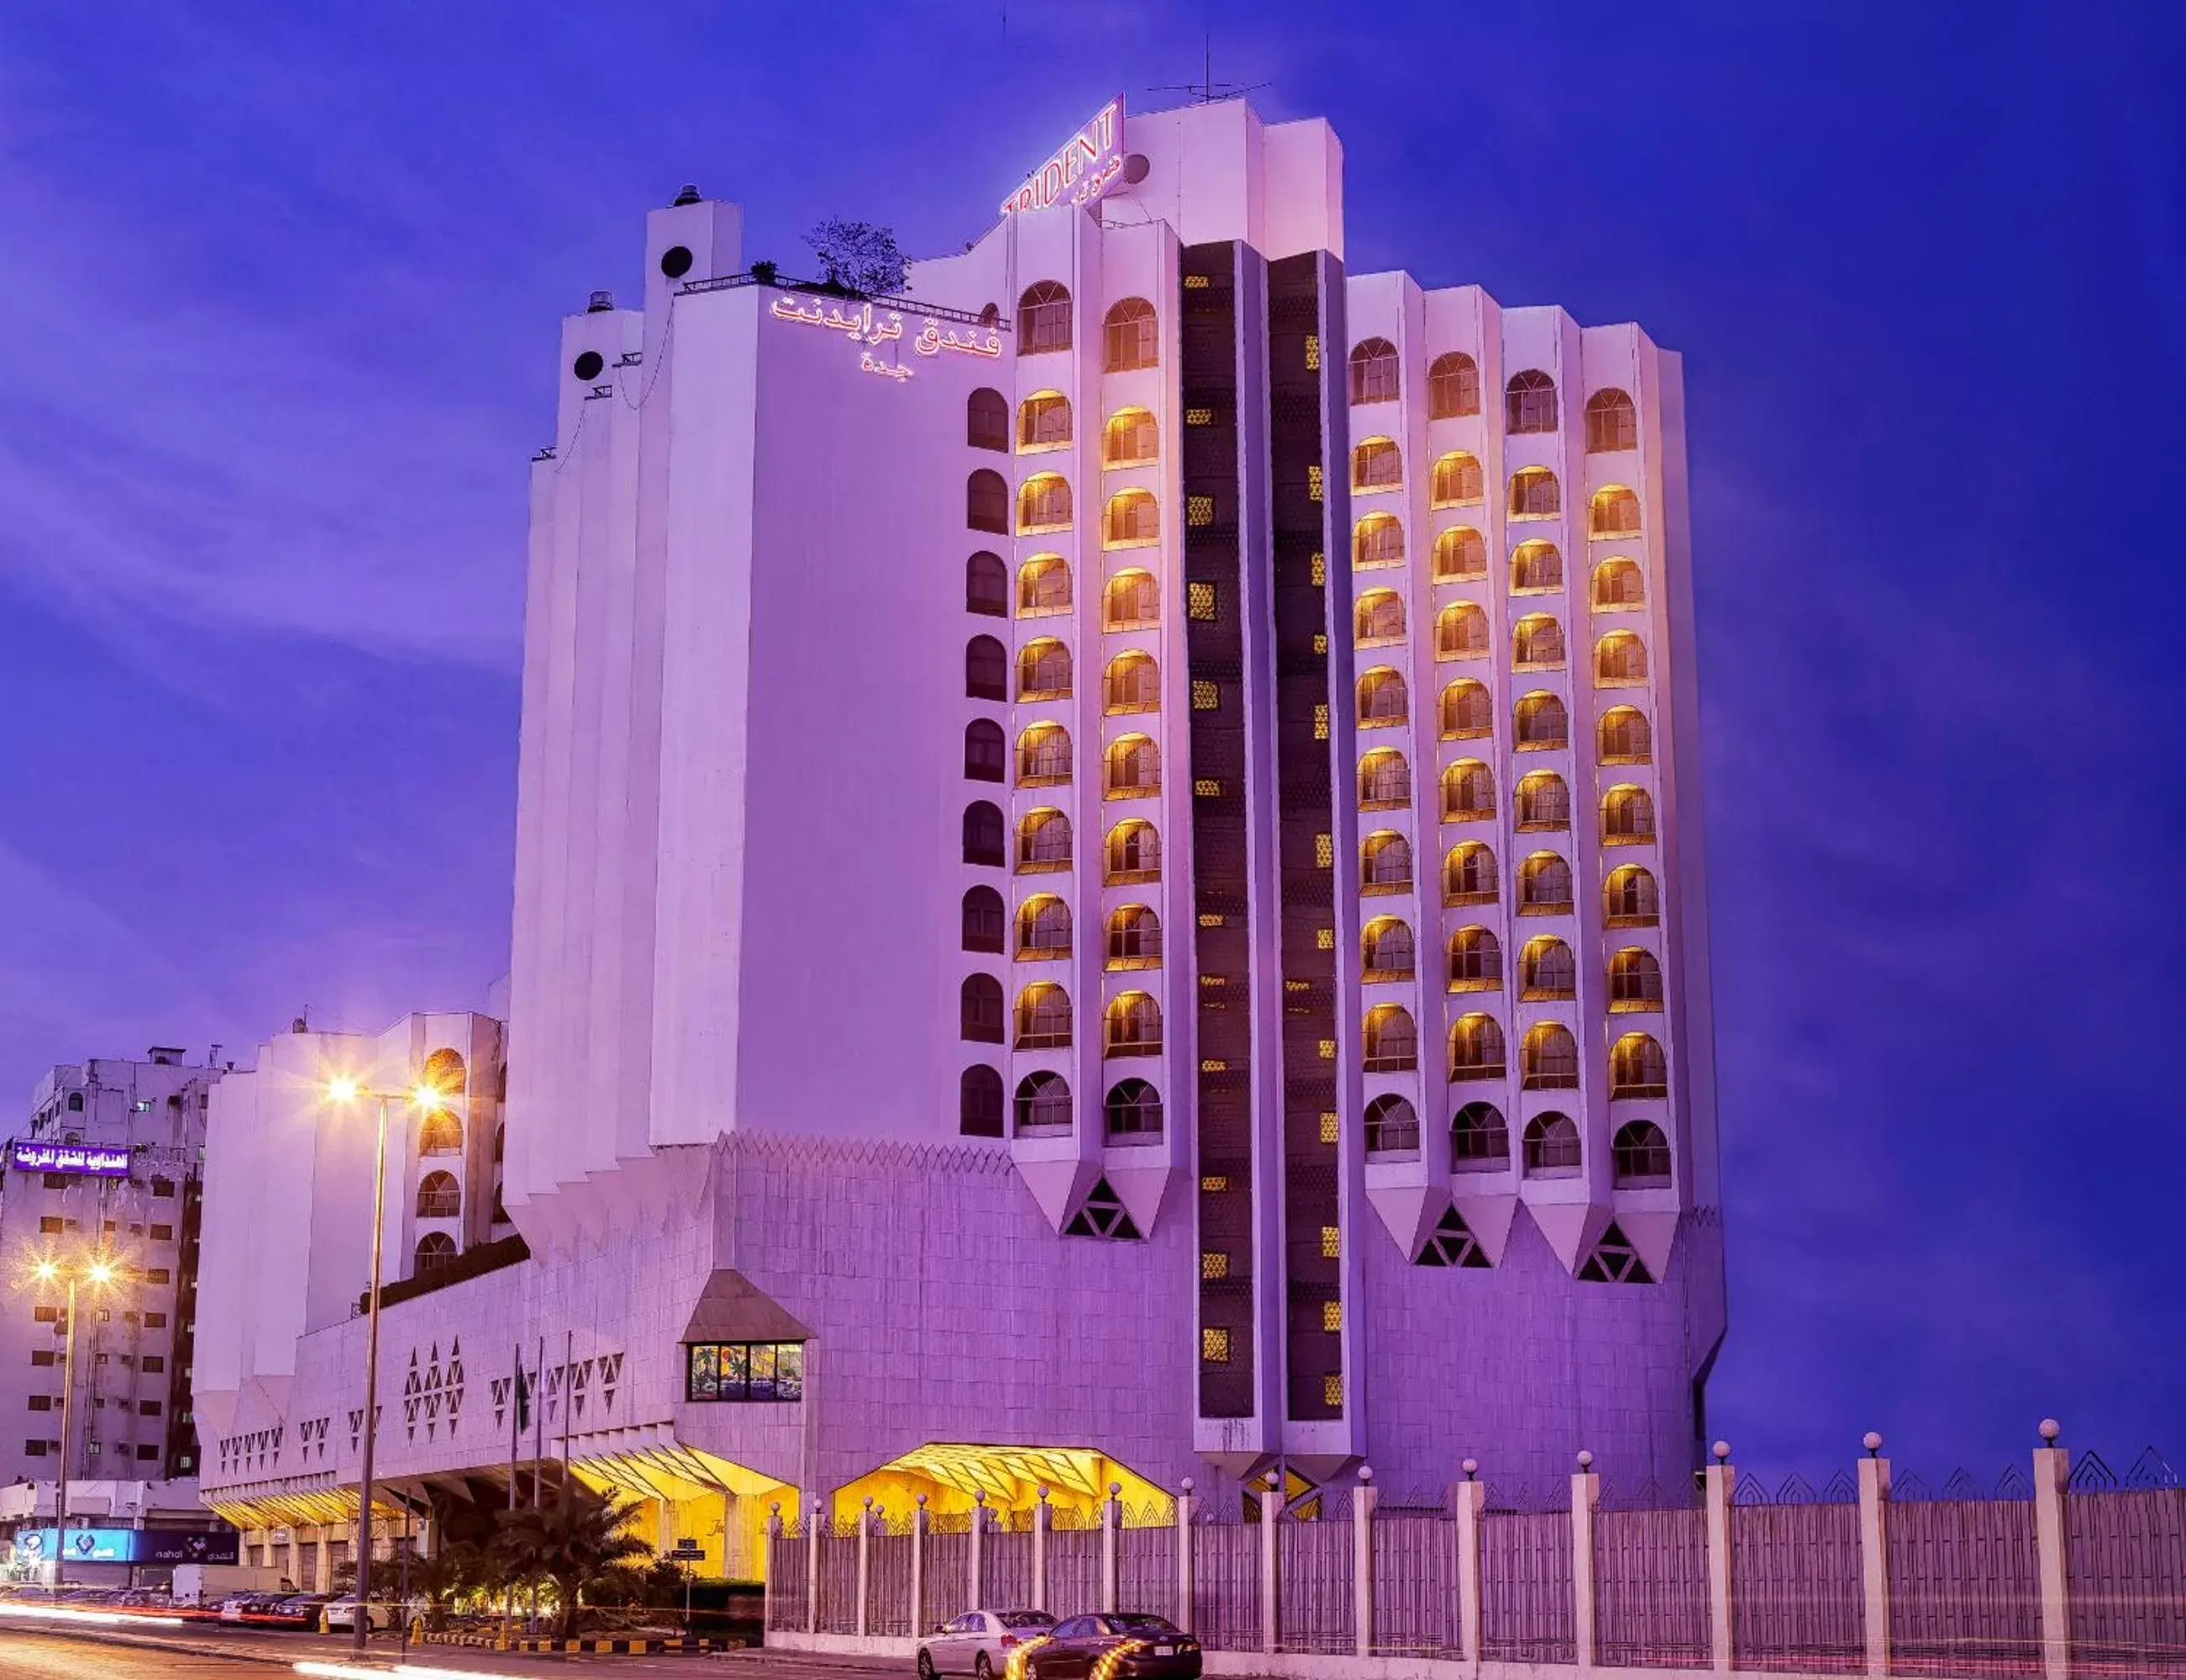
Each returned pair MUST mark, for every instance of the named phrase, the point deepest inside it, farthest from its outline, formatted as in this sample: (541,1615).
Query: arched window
(1476,1048)
(1534,494)
(441,1132)
(1131,340)
(983,834)
(990,315)
(1132,521)
(1536,643)
(1044,421)
(1043,755)
(1457,480)
(1377,539)
(1467,712)
(986,752)
(987,585)
(1389,1043)
(1382,698)
(1625,737)
(1133,852)
(1134,1025)
(500,1142)
(1043,928)
(1536,567)
(1614,512)
(1637,1068)
(1384,781)
(1635,982)
(1043,1105)
(1543,801)
(1461,632)
(1130,601)
(439,1196)
(1627,815)
(1044,503)
(1043,1018)
(1393,1128)
(1133,767)
(1133,683)
(436,1252)
(1043,586)
(1620,661)
(1642,1154)
(979,1009)
(1374,370)
(1468,792)
(1376,464)
(1135,937)
(1545,884)
(1546,972)
(1043,319)
(1468,874)
(1629,898)
(1550,1060)
(1134,1113)
(1539,721)
(1529,402)
(1459,554)
(1476,961)
(987,420)
(1479,1141)
(983,919)
(986,669)
(979,1102)
(1379,617)
(1452,387)
(1385,949)
(1552,1146)
(986,502)
(1612,423)
(1384,862)
(1043,841)
(1617,585)
(1129,439)
(443,1072)
(1043,670)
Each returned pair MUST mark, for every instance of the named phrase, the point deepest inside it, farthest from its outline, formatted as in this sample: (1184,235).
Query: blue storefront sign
(129,1545)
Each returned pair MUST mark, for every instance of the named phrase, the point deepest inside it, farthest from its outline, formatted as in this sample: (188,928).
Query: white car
(979,1642)
(339,1616)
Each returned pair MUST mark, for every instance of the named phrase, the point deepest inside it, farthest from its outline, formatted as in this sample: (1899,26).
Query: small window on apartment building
(41,1402)
(57,1181)
(148,1409)
(156,1321)
(35,1450)
(50,1226)
(163,1233)
(159,1275)
(45,1315)
(147,1453)
(42,1356)
(163,1186)
(153,1362)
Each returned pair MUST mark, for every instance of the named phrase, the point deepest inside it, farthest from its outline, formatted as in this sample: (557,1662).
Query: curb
(586,1647)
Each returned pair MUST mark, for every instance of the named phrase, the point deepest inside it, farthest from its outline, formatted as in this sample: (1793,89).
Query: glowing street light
(99,1272)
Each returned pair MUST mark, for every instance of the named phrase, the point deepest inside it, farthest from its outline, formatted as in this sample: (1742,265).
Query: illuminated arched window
(1614,512)
(1534,494)
(1044,503)
(1544,802)
(1620,660)
(1043,928)
(1385,950)
(1043,1105)
(1132,852)
(1132,601)
(1552,1146)
(1132,683)
(440,1197)
(984,833)
(979,1009)
(1044,421)
(1129,439)
(1043,319)
(1635,982)
(1379,617)
(1377,539)
(1550,1060)
(1389,1044)
(1384,862)
(1468,874)
(1452,387)
(1134,1112)
(1135,937)
(444,1072)
(984,917)
(1479,1141)
(1545,884)
(1476,961)
(1642,1155)
(1625,737)
(1457,480)
(1133,1025)
(1043,586)
(1637,1068)
(1612,423)
(1460,553)
(1546,971)
(1467,712)
(1043,1018)
(986,502)
(1536,643)
(1529,402)
(1376,464)
(986,752)
(1629,898)
(1133,520)
(1617,585)
(1374,370)
(1043,670)
(1043,841)
(979,1102)
(1627,815)
(1539,721)
(441,1132)
(1134,768)
(987,585)
(1393,1128)
(1536,567)
(1384,781)
(1461,632)
(1382,698)
(1128,337)
(1476,1048)
(987,420)
(435,1251)
(1468,792)
(1043,755)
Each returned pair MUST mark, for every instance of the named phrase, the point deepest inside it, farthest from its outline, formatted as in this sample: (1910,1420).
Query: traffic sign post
(686,1550)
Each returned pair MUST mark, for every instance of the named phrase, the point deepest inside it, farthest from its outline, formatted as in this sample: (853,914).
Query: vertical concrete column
(766,1586)
(1873,1555)
(1186,1505)
(1722,1483)
(1271,1583)
(1585,1495)
(1362,1563)
(918,1568)
(1111,1540)
(2053,1471)
(1043,1518)
(975,1587)
(1469,1497)
(812,1524)
(864,1624)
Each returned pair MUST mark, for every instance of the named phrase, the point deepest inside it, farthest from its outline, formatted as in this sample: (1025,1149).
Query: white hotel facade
(1109,886)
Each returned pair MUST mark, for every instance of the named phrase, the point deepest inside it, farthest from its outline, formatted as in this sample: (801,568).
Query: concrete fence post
(1362,1563)
(863,1621)
(918,1567)
(1722,1483)
(1185,1504)
(1585,1495)
(1271,1574)
(812,1527)
(1043,1516)
(1111,1539)
(975,1592)
(1873,1553)
(2053,1474)
(1467,1499)
(766,1586)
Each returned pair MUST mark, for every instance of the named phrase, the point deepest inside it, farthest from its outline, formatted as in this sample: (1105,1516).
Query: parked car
(298,1609)
(339,1616)
(979,1642)
(1125,1645)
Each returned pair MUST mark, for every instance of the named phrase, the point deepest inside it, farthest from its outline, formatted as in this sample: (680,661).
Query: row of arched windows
(1630,895)
(1131,1025)
(1129,335)
(1548,1055)
(1461,555)
(1132,851)
(1613,511)
(1043,929)
(1480,1142)
(1044,421)
(1468,795)
(1462,631)
(1131,519)
(1132,1111)
(1612,421)
(1129,601)
(1546,968)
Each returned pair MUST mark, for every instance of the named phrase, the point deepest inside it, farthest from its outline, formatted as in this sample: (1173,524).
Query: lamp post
(99,1272)
(345,1090)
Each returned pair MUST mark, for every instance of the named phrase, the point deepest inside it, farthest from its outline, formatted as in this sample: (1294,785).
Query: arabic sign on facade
(131,1545)
(865,326)
(93,1161)
(1086,166)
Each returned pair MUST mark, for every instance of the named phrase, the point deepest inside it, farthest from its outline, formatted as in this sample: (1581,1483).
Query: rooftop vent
(689,195)
(165,1055)
(601,303)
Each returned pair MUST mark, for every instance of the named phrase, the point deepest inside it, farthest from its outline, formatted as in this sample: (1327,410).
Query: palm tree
(457,1568)
(575,1539)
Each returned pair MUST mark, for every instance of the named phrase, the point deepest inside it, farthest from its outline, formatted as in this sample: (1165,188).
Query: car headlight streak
(1114,1657)
(1014,1669)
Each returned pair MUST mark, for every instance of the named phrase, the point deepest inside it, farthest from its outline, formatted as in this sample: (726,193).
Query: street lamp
(345,1089)
(99,1272)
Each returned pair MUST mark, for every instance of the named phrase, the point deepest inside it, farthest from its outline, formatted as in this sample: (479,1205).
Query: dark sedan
(1121,1646)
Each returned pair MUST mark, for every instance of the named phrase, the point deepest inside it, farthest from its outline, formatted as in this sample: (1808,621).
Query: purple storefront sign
(93,1161)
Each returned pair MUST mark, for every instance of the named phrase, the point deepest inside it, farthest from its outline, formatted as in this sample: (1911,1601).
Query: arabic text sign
(96,1161)
(129,1545)
(1084,168)
(863,325)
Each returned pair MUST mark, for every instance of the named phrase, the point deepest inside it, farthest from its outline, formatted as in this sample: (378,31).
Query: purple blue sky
(282,285)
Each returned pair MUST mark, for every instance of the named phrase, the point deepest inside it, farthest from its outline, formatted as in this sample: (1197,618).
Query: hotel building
(1109,886)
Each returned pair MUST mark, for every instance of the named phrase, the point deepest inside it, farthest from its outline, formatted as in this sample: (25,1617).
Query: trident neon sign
(1085,167)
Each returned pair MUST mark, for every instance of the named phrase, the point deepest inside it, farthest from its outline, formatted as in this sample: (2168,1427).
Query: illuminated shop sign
(129,1545)
(91,1161)
(1086,166)
(865,326)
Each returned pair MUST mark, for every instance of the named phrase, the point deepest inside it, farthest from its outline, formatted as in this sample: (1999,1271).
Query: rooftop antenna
(1206,90)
